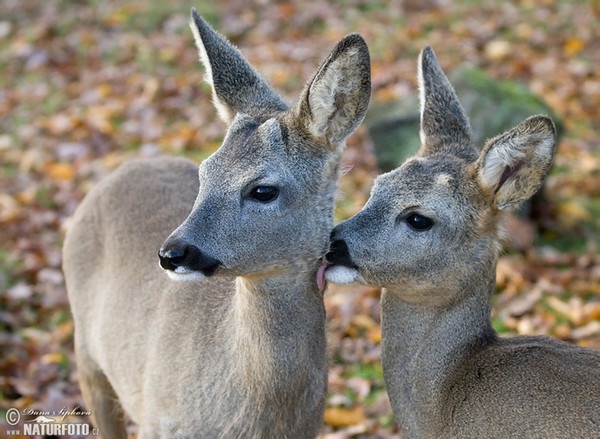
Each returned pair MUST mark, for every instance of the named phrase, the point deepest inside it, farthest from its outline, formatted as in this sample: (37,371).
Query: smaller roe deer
(429,234)
(232,342)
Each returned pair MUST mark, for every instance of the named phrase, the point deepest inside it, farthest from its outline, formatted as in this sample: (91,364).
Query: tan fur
(227,339)
(448,374)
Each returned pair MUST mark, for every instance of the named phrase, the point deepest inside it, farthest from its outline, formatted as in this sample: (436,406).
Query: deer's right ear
(335,101)
(513,165)
(236,85)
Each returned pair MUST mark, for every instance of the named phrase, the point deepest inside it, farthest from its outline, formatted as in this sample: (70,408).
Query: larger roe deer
(429,235)
(231,343)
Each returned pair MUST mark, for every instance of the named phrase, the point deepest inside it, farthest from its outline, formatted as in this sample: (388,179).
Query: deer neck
(278,328)
(423,346)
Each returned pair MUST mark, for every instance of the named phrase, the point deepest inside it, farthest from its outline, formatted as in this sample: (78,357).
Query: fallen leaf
(497,50)
(60,171)
(572,212)
(573,46)
(54,357)
(344,417)
(374,334)
(589,330)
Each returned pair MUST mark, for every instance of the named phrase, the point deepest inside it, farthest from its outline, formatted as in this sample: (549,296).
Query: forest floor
(87,85)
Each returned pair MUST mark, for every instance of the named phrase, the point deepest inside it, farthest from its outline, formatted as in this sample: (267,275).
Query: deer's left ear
(443,119)
(335,101)
(513,166)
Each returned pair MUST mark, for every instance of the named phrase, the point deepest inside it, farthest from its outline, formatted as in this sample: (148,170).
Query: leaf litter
(86,86)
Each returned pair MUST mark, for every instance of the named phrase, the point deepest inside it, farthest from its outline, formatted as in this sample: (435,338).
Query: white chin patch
(338,274)
(184,276)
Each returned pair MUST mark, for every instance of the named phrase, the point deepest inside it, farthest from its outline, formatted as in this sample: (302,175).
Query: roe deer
(227,339)
(429,234)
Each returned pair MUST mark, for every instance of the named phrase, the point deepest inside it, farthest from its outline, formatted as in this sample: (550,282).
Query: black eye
(419,222)
(264,194)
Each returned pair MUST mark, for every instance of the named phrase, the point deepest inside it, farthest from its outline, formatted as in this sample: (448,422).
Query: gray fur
(240,353)
(448,374)
(244,92)
(444,126)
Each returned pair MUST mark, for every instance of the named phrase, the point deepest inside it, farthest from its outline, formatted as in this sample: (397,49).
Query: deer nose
(181,257)
(173,256)
(339,253)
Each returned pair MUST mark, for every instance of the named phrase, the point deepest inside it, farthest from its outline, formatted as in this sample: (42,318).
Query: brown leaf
(344,417)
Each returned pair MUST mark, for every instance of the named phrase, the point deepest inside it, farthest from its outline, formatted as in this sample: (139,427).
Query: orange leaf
(60,171)
(53,357)
(573,46)
(374,334)
(363,321)
(343,417)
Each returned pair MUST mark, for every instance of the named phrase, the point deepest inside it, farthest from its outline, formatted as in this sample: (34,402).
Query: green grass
(563,242)
(500,327)
(367,371)
(8,266)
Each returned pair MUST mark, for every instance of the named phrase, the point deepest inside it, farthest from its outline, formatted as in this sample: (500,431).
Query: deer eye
(264,194)
(419,222)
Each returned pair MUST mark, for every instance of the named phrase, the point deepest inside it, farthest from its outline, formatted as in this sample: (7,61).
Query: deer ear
(236,85)
(335,101)
(514,165)
(443,119)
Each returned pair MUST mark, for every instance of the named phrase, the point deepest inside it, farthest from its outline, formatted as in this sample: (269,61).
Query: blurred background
(88,84)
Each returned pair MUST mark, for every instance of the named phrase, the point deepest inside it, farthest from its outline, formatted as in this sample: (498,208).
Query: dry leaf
(573,46)
(344,417)
(572,212)
(498,50)
(53,357)
(60,171)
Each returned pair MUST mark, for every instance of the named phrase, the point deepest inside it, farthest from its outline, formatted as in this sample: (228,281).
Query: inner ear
(509,170)
(514,165)
(336,99)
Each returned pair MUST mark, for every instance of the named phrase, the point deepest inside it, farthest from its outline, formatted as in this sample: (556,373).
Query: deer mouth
(337,266)
(321,274)
(338,274)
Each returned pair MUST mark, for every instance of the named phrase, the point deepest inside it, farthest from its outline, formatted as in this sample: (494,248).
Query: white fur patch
(497,160)
(222,109)
(443,179)
(181,275)
(339,274)
(270,132)
(203,55)
(545,148)
(421,82)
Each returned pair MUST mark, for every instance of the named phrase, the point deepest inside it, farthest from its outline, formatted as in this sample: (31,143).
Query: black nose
(339,254)
(176,253)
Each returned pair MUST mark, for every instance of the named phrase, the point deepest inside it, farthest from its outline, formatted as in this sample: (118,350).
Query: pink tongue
(321,275)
